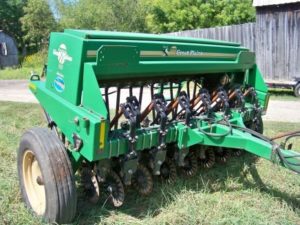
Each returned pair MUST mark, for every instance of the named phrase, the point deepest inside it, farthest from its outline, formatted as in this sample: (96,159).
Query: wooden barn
(278,38)
(275,37)
(8,51)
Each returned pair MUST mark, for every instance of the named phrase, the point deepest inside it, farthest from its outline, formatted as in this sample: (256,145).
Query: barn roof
(258,3)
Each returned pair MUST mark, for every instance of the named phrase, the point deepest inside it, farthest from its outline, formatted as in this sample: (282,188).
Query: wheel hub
(34,183)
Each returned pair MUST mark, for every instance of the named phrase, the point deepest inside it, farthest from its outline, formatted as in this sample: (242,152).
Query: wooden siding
(275,37)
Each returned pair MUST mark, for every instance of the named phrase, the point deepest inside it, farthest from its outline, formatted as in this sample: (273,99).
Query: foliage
(38,21)
(122,15)
(175,15)
(10,13)
(243,191)
(30,63)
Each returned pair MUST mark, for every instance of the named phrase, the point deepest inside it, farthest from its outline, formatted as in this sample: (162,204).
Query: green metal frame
(80,62)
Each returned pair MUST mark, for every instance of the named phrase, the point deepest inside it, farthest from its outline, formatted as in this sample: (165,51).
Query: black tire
(114,189)
(237,152)
(41,152)
(90,185)
(190,167)
(222,155)
(168,171)
(209,160)
(297,90)
(142,180)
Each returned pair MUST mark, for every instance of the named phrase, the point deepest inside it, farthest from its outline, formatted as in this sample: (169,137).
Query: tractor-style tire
(297,90)
(46,177)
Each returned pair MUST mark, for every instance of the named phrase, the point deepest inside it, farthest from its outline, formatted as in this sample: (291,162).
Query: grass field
(240,192)
(283,94)
(30,64)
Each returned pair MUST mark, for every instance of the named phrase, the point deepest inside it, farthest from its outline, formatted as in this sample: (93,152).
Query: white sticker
(62,55)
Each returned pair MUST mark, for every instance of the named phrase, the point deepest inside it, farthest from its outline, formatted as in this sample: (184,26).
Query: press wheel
(168,171)
(142,180)
(114,189)
(190,167)
(90,185)
(237,152)
(222,155)
(209,160)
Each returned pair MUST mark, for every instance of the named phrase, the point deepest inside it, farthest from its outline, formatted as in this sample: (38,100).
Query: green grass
(31,63)
(22,73)
(244,191)
(283,94)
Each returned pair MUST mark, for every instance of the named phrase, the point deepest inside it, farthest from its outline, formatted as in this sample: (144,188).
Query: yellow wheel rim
(34,183)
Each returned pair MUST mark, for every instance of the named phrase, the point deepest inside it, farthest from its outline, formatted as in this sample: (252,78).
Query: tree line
(31,21)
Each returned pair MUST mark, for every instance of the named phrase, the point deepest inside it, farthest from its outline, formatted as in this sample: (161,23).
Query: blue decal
(59,84)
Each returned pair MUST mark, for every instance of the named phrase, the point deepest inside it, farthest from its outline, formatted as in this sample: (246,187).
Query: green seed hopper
(124,107)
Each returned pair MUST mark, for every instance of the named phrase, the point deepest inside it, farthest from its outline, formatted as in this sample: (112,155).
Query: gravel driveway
(17,91)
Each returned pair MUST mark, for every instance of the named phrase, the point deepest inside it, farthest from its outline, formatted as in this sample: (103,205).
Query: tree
(174,15)
(38,21)
(10,13)
(128,15)
(121,15)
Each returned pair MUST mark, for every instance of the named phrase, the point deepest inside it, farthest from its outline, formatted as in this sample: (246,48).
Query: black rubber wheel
(168,171)
(190,167)
(90,185)
(237,152)
(297,90)
(209,160)
(222,155)
(46,177)
(114,188)
(142,180)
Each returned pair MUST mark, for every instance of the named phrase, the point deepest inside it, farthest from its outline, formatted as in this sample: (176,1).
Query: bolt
(76,120)
(130,171)
(159,162)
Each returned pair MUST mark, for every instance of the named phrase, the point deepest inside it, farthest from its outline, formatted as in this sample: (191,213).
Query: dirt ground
(278,110)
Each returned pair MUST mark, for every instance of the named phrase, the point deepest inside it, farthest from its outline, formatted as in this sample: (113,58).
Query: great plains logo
(190,53)
(173,51)
(62,54)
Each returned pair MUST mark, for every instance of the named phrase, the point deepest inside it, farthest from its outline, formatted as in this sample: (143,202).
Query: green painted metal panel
(82,62)
(92,34)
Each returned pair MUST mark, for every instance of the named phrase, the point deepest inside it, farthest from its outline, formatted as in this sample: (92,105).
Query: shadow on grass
(283,94)
(210,181)
(291,200)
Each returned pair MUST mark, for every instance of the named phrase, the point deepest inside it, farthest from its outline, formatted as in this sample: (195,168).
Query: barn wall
(278,41)
(275,37)
(11,59)
(242,33)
